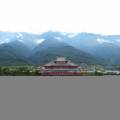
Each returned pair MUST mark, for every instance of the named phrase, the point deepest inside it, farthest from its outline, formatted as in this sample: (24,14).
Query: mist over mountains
(17,48)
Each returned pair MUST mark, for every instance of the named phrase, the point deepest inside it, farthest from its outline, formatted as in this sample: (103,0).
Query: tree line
(17,71)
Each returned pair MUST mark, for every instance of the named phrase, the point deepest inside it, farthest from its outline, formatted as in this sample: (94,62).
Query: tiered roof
(61,61)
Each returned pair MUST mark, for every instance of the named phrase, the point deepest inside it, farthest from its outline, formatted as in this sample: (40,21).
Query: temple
(61,67)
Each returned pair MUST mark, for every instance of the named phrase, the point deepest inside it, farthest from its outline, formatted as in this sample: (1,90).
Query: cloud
(58,38)
(104,41)
(38,41)
(2,42)
(7,40)
(118,40)
(20,37)
(71,35)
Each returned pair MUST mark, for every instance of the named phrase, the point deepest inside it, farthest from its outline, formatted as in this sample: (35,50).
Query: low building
(61,67)
(112,72)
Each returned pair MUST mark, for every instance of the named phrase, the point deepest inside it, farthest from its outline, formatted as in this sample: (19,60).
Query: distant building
(61,67)
(112,72)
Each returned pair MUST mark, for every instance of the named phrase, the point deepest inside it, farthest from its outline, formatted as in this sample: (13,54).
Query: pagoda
(60,67)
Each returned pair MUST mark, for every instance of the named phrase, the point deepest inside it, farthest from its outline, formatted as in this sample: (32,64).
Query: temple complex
(61,67)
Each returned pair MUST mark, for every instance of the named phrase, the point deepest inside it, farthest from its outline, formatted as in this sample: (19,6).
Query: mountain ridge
(90,43)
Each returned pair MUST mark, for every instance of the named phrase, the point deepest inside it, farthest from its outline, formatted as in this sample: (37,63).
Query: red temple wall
(62,73)
(51,67)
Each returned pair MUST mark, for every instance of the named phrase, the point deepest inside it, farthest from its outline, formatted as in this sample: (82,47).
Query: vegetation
(87,70)
(17,71)
(92,74)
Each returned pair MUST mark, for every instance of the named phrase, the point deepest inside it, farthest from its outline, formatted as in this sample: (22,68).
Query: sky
(36,16)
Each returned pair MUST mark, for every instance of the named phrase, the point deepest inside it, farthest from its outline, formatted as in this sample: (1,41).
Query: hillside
(40,48)
(50,49)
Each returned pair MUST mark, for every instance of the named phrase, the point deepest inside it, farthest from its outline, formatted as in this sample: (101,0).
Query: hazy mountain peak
(98,45)
(71,35)
(64,33)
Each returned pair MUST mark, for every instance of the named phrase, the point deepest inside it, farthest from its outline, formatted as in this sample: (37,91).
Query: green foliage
(92,73)
(17,71)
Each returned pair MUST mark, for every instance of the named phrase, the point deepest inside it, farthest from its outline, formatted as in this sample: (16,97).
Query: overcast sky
(96,16)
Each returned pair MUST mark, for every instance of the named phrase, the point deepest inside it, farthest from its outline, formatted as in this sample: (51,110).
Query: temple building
(61,67)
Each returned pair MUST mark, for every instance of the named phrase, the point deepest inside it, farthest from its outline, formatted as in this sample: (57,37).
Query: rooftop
(60,59)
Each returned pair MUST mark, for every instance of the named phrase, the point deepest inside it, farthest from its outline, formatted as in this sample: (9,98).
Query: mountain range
(20,48)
